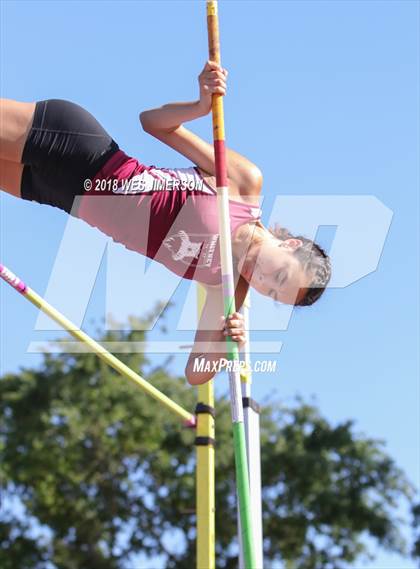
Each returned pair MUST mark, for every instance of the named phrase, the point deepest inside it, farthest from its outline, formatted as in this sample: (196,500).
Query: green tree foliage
(94,472)
(416,525)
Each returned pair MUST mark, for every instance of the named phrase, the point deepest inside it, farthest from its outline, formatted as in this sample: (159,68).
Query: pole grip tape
(203,408)
(249,402)
(204,441)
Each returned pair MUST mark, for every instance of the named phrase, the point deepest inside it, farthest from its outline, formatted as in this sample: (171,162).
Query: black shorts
(65,146)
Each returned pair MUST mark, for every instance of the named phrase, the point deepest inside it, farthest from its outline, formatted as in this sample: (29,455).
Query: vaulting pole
(94,346)
(253,445)
(205,483)
(242,480)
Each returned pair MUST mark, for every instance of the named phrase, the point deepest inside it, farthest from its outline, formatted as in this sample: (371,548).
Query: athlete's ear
(292,244)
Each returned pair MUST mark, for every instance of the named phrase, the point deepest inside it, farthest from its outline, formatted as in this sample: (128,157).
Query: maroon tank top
(168,214)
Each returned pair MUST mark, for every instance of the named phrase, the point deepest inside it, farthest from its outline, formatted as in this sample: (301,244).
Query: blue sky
(323,97)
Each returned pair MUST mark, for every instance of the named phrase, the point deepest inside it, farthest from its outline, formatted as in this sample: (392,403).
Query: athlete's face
(274,271)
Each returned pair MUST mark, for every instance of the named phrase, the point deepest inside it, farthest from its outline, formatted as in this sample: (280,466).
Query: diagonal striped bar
(205,470)
(241,466)
(94,346)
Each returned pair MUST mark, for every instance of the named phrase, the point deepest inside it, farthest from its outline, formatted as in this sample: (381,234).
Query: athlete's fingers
(215,89)
(235,316)
(238,338)
(215,84)
(235,323)
(217,73)
(210,64)
(215,81)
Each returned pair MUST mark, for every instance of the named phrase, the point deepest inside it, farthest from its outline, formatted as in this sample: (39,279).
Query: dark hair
(313,260)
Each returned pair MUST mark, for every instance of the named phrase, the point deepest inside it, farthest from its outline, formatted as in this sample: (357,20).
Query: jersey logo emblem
(183,249)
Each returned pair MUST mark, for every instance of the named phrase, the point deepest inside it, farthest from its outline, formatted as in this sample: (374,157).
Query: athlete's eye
(281,277)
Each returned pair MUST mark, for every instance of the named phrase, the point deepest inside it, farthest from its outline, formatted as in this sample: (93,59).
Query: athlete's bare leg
(15,122)
(10,177)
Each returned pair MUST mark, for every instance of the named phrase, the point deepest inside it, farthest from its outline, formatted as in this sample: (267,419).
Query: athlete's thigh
(15,123)
(11,177)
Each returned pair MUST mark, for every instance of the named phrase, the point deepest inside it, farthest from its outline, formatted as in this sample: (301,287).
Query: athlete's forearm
(207,358)
(212,80)
(171,116)
(202,367)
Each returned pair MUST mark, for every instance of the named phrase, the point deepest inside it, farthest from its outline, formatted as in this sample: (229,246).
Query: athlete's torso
(168,214)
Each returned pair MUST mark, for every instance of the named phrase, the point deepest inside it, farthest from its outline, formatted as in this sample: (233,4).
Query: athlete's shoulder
(236,193)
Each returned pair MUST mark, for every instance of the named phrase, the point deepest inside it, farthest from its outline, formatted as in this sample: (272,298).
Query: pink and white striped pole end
(12,279)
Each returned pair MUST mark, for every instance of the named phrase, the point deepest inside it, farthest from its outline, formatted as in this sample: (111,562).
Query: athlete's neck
(247,240)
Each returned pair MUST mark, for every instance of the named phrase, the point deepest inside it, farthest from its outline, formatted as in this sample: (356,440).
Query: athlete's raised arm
(165,124)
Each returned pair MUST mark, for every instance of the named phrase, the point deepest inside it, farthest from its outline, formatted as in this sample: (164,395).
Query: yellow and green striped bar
(95,347)
(241,465)
(205,483)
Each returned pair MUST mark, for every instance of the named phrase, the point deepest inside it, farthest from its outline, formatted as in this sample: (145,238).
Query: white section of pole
(253,447)
(252,434)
